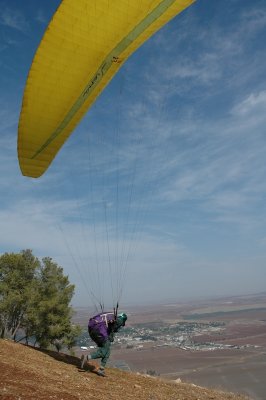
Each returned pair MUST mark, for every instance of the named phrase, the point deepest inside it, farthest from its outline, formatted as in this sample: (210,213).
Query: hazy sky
(164,179)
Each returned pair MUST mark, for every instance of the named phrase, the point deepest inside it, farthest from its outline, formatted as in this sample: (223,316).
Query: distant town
(182,335)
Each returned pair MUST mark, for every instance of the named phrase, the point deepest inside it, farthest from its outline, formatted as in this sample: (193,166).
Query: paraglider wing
(83,47)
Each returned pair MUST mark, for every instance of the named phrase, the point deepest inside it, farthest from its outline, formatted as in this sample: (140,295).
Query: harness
(103,318)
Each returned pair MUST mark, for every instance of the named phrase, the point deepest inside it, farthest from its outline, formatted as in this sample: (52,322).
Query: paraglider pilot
(102,329)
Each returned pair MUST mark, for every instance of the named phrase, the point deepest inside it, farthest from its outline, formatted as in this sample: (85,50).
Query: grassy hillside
(28,373)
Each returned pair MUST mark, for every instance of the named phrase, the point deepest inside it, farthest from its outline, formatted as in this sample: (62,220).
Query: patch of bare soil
(27,373)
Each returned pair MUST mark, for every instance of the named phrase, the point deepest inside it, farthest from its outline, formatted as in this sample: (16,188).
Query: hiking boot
(101,372)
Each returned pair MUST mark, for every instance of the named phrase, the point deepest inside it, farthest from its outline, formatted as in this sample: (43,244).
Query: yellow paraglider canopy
(83,47)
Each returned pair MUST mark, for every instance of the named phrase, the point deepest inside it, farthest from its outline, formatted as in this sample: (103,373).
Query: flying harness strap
(103,318)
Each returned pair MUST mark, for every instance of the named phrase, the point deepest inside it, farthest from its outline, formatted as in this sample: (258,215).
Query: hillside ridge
(30,373)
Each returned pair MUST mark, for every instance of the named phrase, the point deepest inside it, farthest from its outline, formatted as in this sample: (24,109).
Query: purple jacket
(102,323)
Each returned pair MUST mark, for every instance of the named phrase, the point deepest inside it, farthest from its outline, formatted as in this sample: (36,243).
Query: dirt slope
(28,373)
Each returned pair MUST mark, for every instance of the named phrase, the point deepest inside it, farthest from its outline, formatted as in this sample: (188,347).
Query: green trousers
(102,352)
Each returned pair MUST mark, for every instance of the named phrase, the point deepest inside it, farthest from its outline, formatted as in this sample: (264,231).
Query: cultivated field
(239,370)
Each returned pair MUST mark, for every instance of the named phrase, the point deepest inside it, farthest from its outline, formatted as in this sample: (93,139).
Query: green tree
(69,340)
(17,279)
(35,297)
(71,337)
(49,319)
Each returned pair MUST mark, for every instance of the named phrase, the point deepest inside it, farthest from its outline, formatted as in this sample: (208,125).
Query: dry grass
(28,373)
